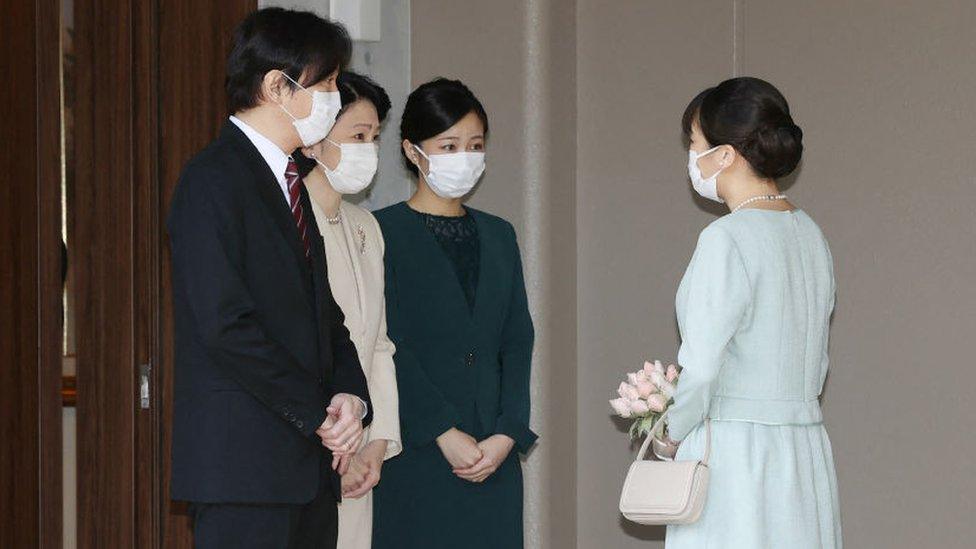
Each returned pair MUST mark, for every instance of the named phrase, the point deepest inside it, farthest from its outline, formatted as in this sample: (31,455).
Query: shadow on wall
(642,532)
(826,383)
(786,183)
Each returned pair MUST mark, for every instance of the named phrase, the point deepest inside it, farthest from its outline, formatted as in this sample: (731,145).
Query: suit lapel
(353,246)
(320,288)
(436,261)
(311,273)
(269,191)
(489,250)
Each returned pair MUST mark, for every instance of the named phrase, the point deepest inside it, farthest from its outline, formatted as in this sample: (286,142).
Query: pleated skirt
(770,487)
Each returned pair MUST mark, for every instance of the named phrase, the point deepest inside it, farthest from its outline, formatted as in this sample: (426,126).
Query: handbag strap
(659,425)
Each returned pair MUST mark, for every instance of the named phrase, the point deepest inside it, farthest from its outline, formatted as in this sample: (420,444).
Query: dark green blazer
(457,367)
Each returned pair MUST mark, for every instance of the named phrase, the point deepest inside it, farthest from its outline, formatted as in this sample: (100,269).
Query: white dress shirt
(278,161)
(276,158)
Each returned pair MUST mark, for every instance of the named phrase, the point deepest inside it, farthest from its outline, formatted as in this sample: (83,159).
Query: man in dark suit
(270,399)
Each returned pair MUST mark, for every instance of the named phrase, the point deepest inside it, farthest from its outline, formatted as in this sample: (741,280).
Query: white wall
(388,62)
(69,475)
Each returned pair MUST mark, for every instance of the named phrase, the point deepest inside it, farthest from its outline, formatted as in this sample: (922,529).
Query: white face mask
(356,167)
(708,188)
(317,125)
(453,175)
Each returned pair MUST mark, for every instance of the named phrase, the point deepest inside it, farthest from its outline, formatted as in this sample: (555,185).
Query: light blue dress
(754,311)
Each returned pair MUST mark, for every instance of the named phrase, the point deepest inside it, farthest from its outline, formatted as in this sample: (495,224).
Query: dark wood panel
(19,466)
(192,108)
(30,421)
(145,225)
(146,99)
(50,315)
(102,259)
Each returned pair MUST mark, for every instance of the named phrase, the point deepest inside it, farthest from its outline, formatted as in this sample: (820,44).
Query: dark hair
(354,86)
(301,44)
(751,115)
(433,108)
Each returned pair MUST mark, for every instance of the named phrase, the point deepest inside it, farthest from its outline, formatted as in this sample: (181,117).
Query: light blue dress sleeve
(714,297)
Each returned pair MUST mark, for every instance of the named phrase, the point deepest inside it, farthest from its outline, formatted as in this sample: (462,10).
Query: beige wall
(637,63)
(885,92)
(586,158)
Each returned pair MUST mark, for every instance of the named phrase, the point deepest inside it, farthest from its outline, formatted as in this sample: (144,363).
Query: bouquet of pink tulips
(645,396)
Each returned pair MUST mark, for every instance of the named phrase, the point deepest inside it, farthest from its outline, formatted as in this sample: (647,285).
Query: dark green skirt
(420,504)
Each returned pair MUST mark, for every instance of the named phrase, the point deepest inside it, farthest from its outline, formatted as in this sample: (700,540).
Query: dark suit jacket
(260,343)
(451,360)
(456,367)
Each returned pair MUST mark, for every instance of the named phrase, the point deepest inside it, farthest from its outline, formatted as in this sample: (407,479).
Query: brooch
(362,238)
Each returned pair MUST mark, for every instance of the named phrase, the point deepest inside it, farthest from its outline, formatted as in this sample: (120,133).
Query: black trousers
(314,525)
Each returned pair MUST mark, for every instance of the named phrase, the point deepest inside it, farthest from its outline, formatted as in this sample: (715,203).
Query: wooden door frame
(30,277)
(157,100)
(50,289)
(117,229)
(149,95)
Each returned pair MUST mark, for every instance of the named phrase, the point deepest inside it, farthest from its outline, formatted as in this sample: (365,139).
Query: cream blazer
(354,251)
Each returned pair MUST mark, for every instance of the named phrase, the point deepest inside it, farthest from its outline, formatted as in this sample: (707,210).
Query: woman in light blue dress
(754,311)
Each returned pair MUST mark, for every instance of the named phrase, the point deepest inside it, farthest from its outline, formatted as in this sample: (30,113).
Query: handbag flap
(658,486)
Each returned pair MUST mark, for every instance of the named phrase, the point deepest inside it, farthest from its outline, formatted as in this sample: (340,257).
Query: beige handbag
(665,492)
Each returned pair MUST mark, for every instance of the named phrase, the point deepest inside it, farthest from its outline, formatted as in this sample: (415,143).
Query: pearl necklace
(769,197)
(334,220)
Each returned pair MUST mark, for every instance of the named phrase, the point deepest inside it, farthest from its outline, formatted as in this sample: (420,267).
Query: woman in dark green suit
(457,311)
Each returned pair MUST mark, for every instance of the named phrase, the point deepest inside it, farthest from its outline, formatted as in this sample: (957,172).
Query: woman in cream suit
(345,164)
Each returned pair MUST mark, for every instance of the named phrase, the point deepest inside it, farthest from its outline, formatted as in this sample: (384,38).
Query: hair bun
(753,116)
(776,150)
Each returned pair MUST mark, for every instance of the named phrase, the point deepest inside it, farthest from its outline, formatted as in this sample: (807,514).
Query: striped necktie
(294,198)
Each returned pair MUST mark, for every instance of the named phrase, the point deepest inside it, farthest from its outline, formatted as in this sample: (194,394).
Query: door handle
(145,370)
